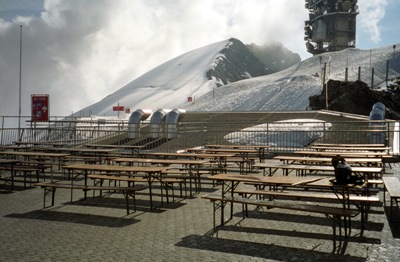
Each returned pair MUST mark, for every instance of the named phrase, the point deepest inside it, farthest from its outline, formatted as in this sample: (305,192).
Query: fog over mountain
(275,56)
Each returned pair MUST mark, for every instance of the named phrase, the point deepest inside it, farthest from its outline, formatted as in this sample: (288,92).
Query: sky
(80,51)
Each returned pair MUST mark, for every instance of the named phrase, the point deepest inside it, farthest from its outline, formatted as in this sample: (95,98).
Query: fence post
(396,140)
(326,88)
(359,73)
(387,72)
(372,78)
(2,130)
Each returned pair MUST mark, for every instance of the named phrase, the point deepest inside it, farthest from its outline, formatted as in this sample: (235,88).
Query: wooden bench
(363,203)
(25,170)
(392,186)
(167,183)
(184,174)
(85,159)
(245,164)
(305,194)
(127,191)
(334,213)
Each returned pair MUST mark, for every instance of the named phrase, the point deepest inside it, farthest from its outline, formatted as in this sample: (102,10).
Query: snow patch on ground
(286,133)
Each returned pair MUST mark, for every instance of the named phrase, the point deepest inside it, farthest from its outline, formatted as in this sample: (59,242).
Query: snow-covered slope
(169,85)
(190,75)
(290,89)
(164,86)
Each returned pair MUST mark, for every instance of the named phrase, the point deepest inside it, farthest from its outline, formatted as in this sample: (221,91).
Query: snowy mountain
(209,75)
(290,89)
(190,75)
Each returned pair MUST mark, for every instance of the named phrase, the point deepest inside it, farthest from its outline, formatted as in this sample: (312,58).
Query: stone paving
(98,229)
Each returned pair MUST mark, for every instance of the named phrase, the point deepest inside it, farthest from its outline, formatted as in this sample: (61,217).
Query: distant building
(331,25)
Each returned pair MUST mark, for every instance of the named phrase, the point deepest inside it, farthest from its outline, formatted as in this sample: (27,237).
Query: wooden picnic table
(192,166)
(9,163)
(351,149)
(100,153)
(261,148)
(36,156)
(236,146)
(165,162)
(346,154)
(241,151)
(230,183)
(347,145)
(151,173)
(269,169)
(15,147)
(133,148)
(221,158)
(37,143)
(30,154)
(187,155)
(368,161)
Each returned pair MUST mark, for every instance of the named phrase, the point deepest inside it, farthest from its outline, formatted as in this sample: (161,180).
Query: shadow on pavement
(265,251)
(77,218)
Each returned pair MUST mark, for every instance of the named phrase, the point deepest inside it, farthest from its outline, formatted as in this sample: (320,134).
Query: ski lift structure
(331,25)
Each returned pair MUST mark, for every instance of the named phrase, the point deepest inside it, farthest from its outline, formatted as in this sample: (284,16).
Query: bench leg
(46,191)
(393,200)
(127,195)
(336,220)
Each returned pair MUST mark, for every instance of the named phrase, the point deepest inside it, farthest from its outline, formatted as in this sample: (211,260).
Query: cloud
(79,52)
(371,14)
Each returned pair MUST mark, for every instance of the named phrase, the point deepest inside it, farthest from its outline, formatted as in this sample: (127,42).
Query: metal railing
(282,136)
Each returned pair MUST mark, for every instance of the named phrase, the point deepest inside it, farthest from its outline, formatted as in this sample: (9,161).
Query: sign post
(118,108)
(40,108)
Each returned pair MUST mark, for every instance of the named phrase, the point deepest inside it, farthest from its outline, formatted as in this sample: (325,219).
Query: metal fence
(282,136)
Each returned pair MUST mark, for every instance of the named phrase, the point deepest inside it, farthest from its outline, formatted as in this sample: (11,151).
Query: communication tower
(331,25)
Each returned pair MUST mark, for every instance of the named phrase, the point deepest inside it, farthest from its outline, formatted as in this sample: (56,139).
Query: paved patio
(98,229)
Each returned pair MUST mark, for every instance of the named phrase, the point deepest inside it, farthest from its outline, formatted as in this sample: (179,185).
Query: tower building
(331,25)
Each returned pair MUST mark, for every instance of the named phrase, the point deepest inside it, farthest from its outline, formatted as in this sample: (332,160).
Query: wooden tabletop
(305,159)
(223,150)
(341,153)
(160,161)
(350,149)
(236,146)
(276,180)
(6,161)
(110,168)
(316,168)
(114,146)
(15,147)
(53,144)
(189,155)
(38,154)
(347,145)
(76,150)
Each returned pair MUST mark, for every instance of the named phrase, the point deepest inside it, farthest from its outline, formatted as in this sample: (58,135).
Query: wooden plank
(327,196)
(298,207)
(392,185)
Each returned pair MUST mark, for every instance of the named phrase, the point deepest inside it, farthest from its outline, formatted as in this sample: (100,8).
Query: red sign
(118,108)
(127,110)
(190,99)
(40,107)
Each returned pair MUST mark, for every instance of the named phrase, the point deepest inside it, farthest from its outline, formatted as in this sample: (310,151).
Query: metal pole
(20,83)
(387,72)
(326,88)
(372,78)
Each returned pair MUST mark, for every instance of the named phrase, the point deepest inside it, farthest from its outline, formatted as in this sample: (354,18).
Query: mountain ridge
(189,75)
(170,85)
